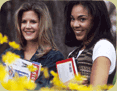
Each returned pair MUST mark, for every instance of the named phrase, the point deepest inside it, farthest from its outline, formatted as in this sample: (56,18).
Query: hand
(85,82)
(67,83)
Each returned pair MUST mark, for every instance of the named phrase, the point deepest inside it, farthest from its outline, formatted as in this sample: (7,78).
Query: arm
(100,71)
(104,61)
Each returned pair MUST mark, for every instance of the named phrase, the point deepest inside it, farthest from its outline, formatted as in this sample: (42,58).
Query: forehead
(79,10)
(29,14)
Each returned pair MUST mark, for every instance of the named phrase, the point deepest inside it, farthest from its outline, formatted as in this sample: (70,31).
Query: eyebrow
(82,15)
(31,19)
(79,16)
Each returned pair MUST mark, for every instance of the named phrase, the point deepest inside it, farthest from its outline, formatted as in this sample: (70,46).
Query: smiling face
(81,22)
(30,25)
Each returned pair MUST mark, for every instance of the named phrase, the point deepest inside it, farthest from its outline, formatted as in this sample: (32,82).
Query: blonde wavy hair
(45,38)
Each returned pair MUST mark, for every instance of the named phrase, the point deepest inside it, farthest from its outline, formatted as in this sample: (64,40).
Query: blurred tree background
(56,8)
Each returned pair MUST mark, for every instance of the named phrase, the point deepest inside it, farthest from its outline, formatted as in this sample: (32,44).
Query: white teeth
(78,31)
(29,31)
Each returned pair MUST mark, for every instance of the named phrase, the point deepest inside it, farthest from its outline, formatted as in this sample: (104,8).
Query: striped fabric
(84,63)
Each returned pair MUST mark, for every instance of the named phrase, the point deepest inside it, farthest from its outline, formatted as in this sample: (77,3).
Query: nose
(28,25)
(76,24)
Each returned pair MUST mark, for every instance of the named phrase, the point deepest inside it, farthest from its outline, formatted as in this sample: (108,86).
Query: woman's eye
(33,21)
(24,21)
(82,19)
(72,19)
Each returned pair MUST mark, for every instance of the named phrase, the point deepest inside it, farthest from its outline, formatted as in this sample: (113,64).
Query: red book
(66,69)
(34,75)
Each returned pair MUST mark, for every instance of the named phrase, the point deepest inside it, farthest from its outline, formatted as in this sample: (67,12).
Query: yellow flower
(106,87)
(3,39)
(48,89)
(97,88)
(30,85)
(3,73)
(42,69)
(9,57)
(110,86)
(19,83)
(53,73)
(73,86)
(45,89)
(25,83)
(31,68)
(80,77)
(14,45)
(12,85)
(56,81)
(46,74)
(85,88)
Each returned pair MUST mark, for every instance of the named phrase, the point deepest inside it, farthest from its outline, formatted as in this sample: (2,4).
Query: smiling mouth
(77,32)
(29,31)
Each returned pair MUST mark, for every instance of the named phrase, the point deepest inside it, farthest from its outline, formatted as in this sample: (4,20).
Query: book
(20,67)
(66,69)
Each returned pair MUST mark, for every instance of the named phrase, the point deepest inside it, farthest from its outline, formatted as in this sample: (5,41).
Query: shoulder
(105,48)
(103,43)
(11,50)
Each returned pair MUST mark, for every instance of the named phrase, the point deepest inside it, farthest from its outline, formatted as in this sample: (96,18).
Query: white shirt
(104,48)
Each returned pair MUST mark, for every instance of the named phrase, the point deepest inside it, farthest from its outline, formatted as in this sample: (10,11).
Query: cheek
(35,26)
(88,26)
(88,30)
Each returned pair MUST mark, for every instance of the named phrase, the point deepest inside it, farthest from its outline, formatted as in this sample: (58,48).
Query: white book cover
(66,69)
(20,67)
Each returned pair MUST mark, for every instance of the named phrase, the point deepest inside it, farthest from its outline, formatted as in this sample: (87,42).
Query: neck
(87,41)
(31,46)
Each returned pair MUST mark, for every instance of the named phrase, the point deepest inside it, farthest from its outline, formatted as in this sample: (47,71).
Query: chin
(79,39)
(31,39)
